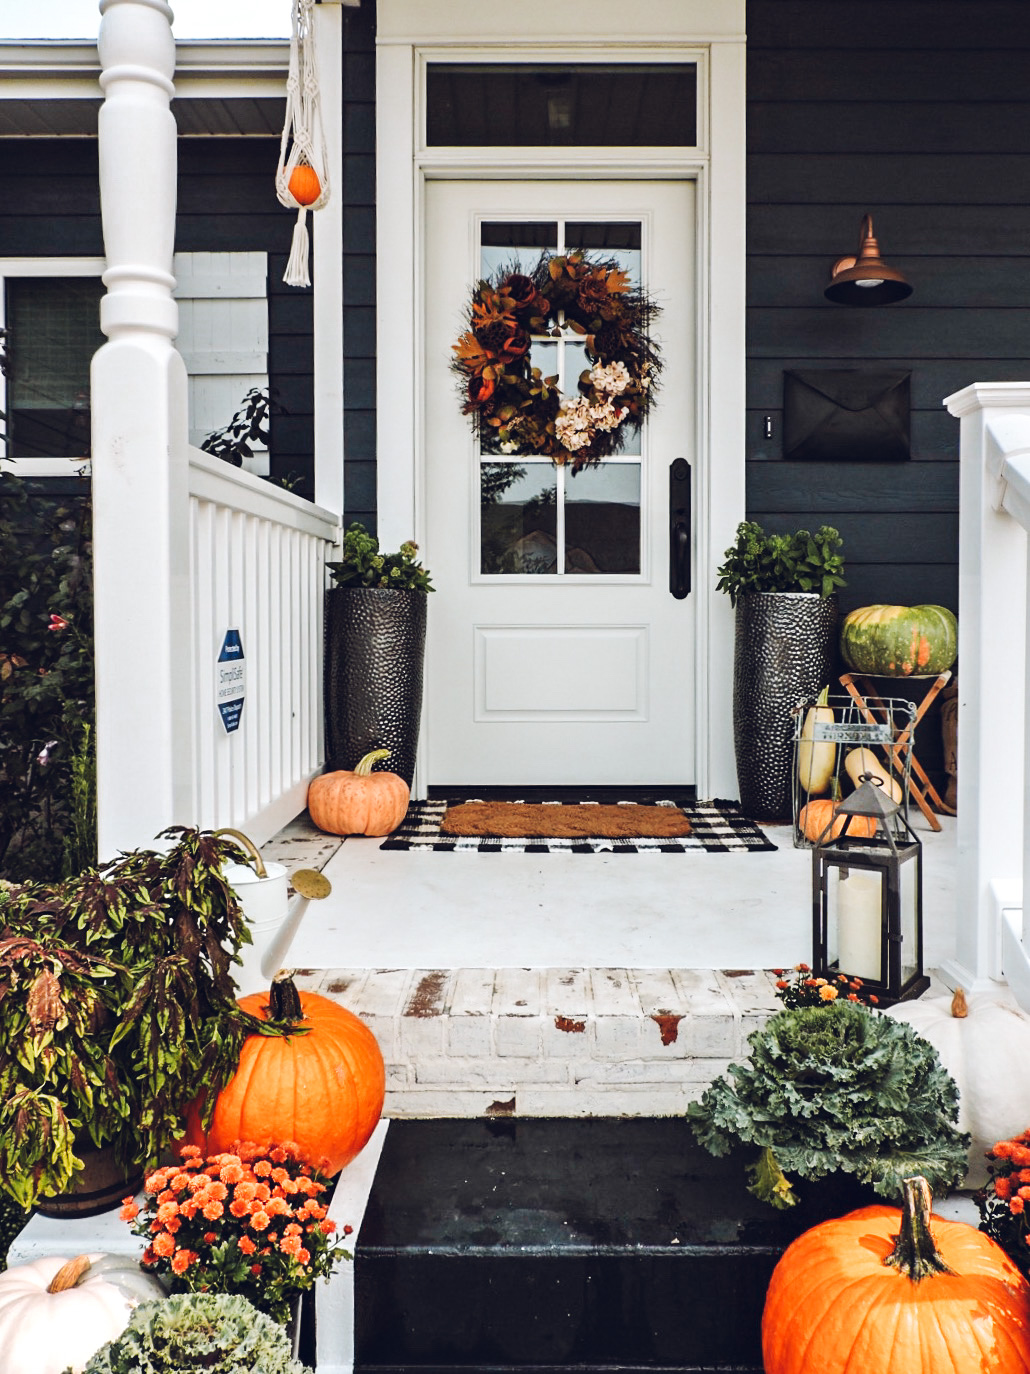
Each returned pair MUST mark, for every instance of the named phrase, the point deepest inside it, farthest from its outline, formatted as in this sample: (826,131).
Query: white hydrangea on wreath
(522,411)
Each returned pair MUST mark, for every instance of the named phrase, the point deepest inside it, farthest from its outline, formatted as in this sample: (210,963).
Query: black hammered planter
(785,651)
(375,641)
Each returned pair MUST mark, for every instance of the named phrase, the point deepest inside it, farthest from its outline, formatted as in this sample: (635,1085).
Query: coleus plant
(117,1009)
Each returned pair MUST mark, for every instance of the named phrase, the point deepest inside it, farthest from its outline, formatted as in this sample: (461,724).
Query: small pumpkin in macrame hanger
(302,176)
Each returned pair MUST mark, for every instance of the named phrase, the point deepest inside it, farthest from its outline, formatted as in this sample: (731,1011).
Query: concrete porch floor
(423,909)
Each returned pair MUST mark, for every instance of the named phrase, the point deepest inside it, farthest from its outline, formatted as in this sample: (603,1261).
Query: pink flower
(58,622)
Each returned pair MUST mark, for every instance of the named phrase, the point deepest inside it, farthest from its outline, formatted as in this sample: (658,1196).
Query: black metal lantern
(867,898)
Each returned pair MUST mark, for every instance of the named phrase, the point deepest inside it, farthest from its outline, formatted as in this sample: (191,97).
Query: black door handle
(679,529)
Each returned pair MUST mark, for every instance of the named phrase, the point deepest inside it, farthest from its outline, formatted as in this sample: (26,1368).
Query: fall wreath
(514,408)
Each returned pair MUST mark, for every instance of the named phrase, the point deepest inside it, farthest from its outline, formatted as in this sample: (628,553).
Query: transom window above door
(536,517)
(563,105)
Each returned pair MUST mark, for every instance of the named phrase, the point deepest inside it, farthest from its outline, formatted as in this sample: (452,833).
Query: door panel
(556,653)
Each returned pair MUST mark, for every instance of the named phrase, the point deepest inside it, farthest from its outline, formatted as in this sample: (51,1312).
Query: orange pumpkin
(815,817)
(885,1291)
(324,1090)
(359,803)
(305,187)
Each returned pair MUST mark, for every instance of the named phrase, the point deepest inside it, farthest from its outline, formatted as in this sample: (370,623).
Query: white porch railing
(993,934)
(185,547)
(257,560)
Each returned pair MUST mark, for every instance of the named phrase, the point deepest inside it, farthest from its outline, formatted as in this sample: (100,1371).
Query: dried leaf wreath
(518,410)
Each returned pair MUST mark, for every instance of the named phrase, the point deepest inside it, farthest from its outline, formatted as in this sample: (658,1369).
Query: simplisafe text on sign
(230,681)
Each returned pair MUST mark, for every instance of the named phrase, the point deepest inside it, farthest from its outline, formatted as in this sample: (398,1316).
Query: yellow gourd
(816,758)
(859,761)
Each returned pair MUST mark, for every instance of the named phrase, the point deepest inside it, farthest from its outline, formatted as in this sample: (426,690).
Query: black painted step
(564,1245)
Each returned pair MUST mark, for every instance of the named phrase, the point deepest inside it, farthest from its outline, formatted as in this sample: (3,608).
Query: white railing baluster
(258,559)
(993,738)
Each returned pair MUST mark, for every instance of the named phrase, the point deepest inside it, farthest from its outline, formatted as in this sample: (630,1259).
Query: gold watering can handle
(249,847)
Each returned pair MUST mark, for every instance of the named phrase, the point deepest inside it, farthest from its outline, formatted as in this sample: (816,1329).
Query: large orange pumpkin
(359,803)
(815,816)
(323,1090)
(884,1291)
(304,185)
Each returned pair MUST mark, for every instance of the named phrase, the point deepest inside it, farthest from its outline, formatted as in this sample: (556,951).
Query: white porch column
(992,677)
(140,460)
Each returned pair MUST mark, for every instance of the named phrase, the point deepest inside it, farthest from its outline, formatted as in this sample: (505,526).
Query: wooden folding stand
(865,695)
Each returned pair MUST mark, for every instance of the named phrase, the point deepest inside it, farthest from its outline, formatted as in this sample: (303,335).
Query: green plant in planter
(117,1009)
(214,1332)
(363,565)
(799,562)
(836,1089)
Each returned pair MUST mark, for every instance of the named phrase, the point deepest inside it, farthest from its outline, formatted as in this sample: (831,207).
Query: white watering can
(262,890)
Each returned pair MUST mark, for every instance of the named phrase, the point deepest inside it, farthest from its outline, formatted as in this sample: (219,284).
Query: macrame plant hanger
(302,176)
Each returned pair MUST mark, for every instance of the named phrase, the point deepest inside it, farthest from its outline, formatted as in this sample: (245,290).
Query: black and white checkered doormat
(717,827)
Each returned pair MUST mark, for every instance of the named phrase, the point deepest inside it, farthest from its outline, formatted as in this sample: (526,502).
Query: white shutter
(223,337)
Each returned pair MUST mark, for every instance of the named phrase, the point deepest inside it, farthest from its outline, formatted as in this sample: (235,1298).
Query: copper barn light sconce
(866,279)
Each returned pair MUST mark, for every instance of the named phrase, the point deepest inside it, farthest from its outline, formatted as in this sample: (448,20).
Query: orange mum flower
(262,1168)
(290,1245)
(213,1210)
(245,1191)
(181,1261)
(302,1256)
(246,1245)
(190,1152)
(129,1211)
(239,1208)
(166,1211)
(163,1244)
(231,1172)
(260,1219)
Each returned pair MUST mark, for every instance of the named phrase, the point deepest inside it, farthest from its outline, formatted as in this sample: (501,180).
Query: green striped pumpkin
(899,641)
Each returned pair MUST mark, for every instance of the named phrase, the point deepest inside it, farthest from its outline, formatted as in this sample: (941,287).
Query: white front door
(557,653)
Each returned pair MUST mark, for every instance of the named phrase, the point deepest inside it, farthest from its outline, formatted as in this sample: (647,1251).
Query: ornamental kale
(212,1331)
(836,1089)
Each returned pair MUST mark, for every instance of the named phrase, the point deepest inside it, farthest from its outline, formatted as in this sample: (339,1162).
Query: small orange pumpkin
(359,803)
(815,816)
(323,1090)
(304,185)
(896,1292)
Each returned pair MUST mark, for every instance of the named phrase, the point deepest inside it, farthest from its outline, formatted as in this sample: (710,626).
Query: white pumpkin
(984,1043)
(56,1312)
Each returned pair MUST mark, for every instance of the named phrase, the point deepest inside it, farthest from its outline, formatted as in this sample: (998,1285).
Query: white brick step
(551,1042)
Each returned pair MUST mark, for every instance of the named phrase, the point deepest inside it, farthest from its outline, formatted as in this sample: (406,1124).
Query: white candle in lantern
(858,923)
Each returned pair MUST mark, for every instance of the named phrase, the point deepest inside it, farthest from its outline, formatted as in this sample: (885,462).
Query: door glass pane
(586,105)
(620,241)
(602,519)
(53,329)
(515,246)
(519,518)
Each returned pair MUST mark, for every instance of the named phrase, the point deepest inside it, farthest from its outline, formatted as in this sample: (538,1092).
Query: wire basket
(828,737)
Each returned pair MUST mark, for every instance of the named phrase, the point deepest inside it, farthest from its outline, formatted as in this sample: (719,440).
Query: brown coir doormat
(527,820)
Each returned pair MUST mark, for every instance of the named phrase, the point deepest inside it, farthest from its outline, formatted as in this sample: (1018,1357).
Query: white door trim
(718,167)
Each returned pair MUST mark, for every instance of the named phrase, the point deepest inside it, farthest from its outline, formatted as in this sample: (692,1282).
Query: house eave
(228,87)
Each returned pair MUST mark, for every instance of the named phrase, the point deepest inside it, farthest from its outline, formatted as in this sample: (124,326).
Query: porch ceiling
(50,90)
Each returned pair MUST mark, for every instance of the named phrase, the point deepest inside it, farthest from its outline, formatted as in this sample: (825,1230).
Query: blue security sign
(230,681)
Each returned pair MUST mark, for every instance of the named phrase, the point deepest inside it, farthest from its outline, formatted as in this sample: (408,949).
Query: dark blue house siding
(918,113)
(359,263)
(227,202)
